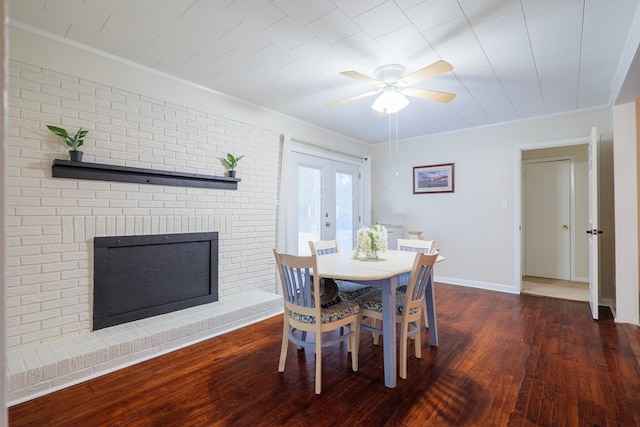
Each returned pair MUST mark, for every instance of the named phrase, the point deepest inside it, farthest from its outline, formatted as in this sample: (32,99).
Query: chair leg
(403,352)
(319,363)
(376,323)
(355,345)
(284,347)
(418,342)
(424,310)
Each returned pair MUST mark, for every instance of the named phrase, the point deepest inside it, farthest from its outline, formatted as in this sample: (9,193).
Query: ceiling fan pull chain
(397,172)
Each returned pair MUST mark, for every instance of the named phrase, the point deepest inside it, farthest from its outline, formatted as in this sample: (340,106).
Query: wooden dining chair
(415,245)
(409,306)
(346,290)
(303,313)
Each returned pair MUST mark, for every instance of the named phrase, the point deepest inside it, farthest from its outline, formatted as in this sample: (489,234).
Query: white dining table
(382,273)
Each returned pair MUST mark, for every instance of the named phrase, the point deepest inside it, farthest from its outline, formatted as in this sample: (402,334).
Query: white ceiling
(512,59)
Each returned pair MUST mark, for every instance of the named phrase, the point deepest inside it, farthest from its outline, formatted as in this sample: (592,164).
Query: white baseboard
(511,289)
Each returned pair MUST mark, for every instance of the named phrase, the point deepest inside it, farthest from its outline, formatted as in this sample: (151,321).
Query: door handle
(327,224)
(565,227)
(594,232)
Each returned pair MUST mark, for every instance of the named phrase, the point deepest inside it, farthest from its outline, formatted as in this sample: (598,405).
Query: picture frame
(433,179)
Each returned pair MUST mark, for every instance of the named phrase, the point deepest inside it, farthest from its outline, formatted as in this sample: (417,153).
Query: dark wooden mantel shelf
(100,172)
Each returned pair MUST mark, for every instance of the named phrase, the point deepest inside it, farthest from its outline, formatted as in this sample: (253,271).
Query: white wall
(625,158)
(473,231)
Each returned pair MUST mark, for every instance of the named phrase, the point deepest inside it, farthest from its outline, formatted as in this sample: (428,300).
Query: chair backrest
(324,247)
(415,245)
(421,273)
(299,285)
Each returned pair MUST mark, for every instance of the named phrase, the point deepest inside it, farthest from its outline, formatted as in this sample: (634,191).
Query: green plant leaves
(230,161)
(74,141)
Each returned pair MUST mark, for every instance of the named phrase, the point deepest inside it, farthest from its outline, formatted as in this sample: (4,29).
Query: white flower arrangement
(371,240)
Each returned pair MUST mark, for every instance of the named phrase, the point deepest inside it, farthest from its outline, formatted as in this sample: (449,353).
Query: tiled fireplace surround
(51,223)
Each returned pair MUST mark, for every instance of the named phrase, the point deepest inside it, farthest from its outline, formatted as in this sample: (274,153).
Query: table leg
(431,311)
(389,332)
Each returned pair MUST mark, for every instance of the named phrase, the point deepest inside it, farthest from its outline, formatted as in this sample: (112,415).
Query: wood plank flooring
(503,360)
(556,288)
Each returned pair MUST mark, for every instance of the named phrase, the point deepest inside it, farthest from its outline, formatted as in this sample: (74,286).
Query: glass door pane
(345,209)
(309,206)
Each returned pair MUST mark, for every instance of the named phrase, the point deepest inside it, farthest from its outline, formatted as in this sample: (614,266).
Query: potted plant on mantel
(230,162)
(73,141)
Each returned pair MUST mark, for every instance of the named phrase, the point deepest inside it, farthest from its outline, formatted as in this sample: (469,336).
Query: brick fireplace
(52,221)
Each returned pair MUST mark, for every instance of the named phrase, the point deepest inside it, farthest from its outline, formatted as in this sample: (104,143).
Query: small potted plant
(73,141)
(230,162)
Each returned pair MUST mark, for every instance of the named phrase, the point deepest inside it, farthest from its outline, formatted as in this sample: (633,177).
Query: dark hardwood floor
(503,360)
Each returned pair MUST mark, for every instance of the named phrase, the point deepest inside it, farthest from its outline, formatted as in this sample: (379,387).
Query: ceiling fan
(393,87)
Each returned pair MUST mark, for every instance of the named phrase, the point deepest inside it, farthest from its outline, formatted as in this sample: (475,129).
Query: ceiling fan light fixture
(390,101)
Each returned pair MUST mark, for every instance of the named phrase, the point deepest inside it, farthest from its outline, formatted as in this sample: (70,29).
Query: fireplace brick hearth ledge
(33,371)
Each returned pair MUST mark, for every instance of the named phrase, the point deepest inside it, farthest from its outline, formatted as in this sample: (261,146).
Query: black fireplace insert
(142,276)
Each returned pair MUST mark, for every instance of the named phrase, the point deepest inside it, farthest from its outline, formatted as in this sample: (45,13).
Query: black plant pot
(75,155)
(231,174)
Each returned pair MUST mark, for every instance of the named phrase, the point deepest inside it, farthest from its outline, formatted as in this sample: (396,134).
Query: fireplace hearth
(142,276)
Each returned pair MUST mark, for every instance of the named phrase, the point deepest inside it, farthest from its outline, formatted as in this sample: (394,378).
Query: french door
(327,201)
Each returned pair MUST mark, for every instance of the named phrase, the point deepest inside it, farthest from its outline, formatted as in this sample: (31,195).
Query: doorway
(327,201)
(554,262)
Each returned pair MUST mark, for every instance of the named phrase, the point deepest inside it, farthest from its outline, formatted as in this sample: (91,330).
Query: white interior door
(548,219)
(327,201)
(593,231)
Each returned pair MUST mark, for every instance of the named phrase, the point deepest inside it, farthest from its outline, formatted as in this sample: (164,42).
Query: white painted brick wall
(51,222)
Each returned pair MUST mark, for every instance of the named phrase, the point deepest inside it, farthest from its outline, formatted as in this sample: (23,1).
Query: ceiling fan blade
(353,98)
(430,95)
(434,69)
(359,76)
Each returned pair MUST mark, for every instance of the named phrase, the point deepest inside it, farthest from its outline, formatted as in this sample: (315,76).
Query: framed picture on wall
(433,179)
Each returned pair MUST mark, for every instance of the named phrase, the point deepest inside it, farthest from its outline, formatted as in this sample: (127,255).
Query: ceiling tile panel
(275,55)
(533,8)
(405,39)
(315,50)
(591,90)
(207,18)
(407,4)
(382,20)
(356,46)
(257,14)
(466,57)
(468,109)
(433,13)
(333,27)
(353,8)
(449,33)
(559,79)
(559,29)
(287,33)
(520,83)
(478,11)
(304,12)
(490,94)
(600,41)
(504,37)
